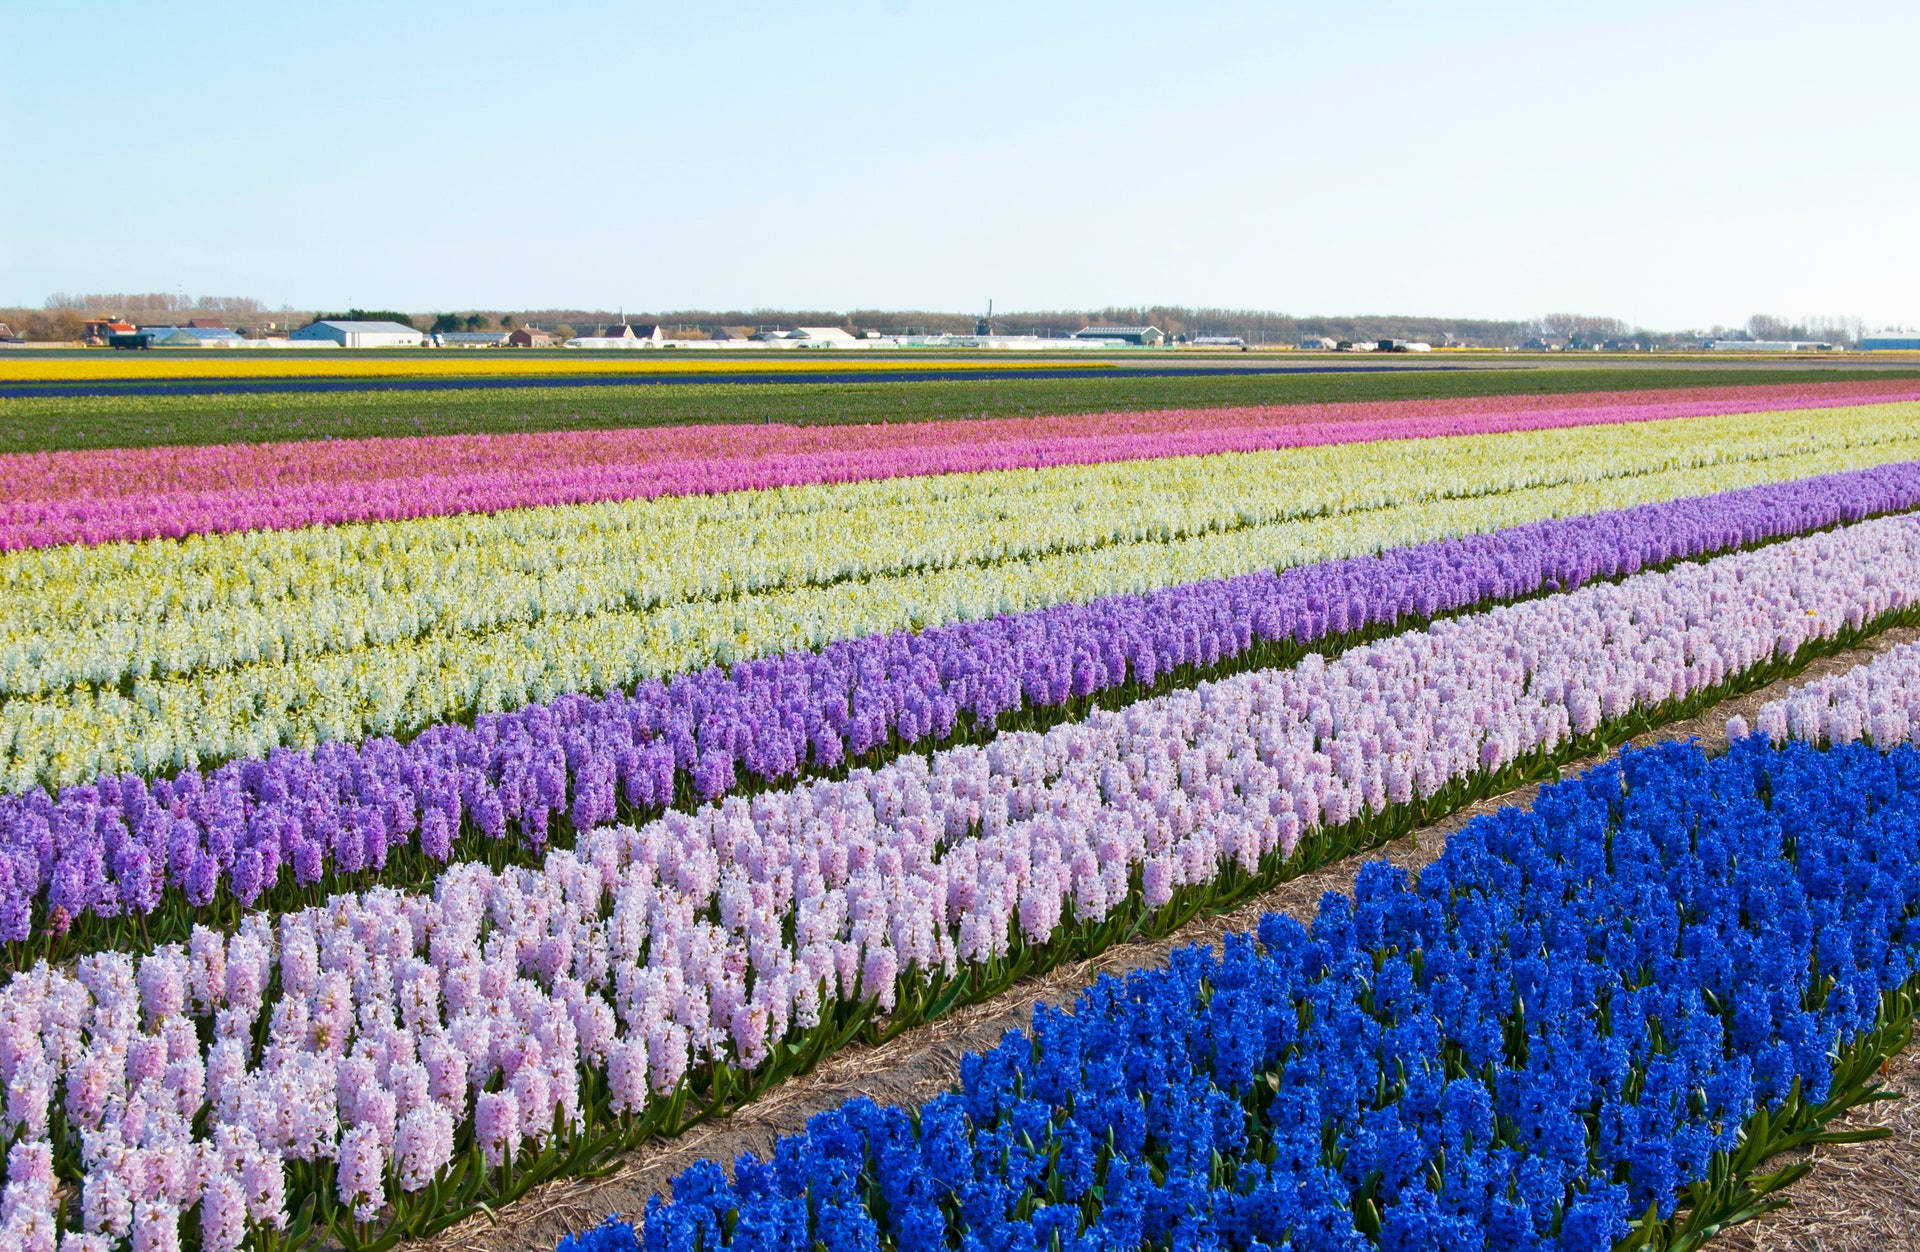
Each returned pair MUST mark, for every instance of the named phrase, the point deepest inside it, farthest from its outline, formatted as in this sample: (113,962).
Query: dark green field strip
(34,425)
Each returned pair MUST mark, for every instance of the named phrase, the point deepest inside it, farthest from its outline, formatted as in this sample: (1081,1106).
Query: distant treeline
(1253,325)
(62,315)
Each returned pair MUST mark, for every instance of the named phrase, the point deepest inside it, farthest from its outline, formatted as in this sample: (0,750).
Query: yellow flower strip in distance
(268,363)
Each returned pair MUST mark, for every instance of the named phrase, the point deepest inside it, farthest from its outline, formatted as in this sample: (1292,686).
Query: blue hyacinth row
(1586,1026)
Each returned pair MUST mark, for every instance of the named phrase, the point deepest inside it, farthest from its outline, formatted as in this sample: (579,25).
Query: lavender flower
(361,1169)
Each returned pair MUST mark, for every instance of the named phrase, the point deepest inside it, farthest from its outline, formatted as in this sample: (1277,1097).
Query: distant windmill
(985,325)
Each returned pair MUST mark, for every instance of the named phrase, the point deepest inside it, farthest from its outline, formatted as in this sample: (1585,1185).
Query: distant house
(627,330)
(529,337)
(472,338)
(103,329)
(1138,336)
(205,323)
(362,334)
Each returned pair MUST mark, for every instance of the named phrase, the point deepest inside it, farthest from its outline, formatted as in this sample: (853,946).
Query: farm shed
(622,335)
(628,330)
(193,337)
(472,338)
(823,337)
(363,334)
(1141,336)
(1767,345)
(529,337)
(1891,341)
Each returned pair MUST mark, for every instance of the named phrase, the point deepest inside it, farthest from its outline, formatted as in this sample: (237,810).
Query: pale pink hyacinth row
(644,952)
(98,496)
(1879,700)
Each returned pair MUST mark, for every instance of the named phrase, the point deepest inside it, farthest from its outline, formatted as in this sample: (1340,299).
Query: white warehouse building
(363,334)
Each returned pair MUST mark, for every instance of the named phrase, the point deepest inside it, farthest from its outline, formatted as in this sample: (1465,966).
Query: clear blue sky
(1675,165)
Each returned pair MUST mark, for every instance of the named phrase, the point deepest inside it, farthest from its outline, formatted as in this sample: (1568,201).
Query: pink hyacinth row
(1879,700)
(98,496)
(403,1020)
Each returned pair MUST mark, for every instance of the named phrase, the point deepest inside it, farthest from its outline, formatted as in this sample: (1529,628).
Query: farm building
(1767,345)
(529,337)
(193,337)
(1219,341)
(102,329)
(472,338)
(1891,341)
(620,335)
(996,343)
(1318,343)
(363,334)
(1139,336)
(822,337)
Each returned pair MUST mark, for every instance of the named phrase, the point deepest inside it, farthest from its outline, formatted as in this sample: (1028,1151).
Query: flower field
(138,493)
(157,655)
(1574,1023)
(389,828)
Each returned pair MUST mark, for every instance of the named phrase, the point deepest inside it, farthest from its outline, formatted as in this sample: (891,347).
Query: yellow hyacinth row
(151,655)
(420,363)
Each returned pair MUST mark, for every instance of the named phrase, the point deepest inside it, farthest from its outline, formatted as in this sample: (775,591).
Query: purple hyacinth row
(117,846)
